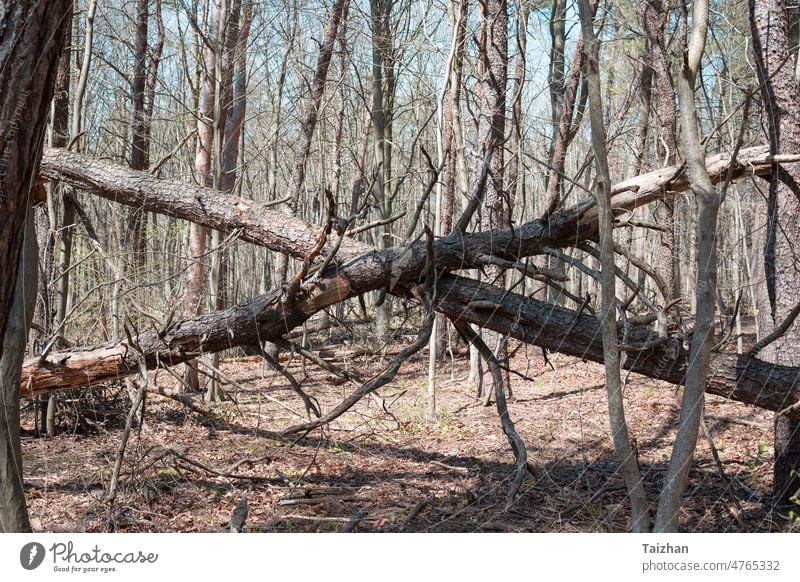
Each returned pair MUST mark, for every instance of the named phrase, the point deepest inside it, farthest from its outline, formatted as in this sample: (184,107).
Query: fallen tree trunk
(270,316)
(747,380)
(258,224)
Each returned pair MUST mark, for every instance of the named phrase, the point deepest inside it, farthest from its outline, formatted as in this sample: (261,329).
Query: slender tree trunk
(514,177)
(560,132)
(59,138)
(195,283)
(338,132)
(223,177)
(135,236)
(708,202)
(140,146)
(65,254)
(624,236)
(458,10)
(625,453)
(379,22)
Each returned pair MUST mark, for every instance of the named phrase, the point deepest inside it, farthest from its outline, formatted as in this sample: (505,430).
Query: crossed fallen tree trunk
(359,268)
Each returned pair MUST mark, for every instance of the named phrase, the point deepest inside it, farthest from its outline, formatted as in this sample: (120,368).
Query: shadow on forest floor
(397,472)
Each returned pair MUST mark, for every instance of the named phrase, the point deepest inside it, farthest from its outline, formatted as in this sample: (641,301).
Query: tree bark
(450,118)
(263,226)
(653,21)
(195,281)
(14,515)
(223,176)
(50,317)
(380,13)
(781,101)
(140,140)
(496,212)
(748,380)
(31,41)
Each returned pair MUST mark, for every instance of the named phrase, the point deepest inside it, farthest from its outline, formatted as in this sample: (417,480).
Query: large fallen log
(260,225)
(751,381)
(270,316)
(558,329)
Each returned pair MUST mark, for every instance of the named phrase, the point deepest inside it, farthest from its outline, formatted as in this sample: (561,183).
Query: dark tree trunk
(653,21)
(140,141)
(776,72)
(31,41)
(496,213)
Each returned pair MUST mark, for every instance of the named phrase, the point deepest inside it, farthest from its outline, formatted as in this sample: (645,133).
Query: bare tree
(50,313)
(708,203)
(654,16)
(626,455)
(458,12)
(202,173)
(140,142)
(382,96)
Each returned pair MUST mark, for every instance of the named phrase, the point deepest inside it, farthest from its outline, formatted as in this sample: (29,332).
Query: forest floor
(395,471)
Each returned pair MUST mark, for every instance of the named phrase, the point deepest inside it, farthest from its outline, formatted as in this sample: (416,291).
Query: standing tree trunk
(224,128)
(195,283)
(653,21)
(626,455)
(31,41)
(140,159)
(560,131)
(59,138)
(450,117)
(13,354)
(624,235)
(65,253)
(708,202)
(781,102)
(380,12)
(140,142)
(515,178)
(493,53)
